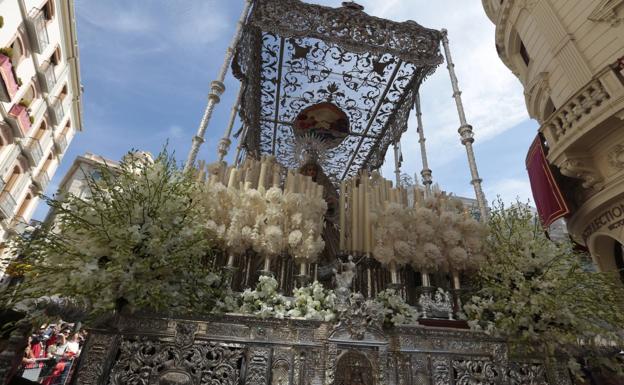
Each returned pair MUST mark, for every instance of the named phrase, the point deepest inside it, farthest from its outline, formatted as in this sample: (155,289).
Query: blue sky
(146,66)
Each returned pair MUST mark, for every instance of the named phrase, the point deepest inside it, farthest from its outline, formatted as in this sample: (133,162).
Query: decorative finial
(352,5)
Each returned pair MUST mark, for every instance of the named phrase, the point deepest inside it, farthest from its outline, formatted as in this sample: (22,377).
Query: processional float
(325,92)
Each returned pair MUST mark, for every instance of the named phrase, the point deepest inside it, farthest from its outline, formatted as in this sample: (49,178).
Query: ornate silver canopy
(293,55)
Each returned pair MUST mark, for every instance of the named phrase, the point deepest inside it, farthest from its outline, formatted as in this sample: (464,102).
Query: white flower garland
(264,301)
(396,310)
(313,302)
(309,302)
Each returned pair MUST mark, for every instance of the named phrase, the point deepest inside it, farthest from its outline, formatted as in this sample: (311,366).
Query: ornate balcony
(57,111)
(7,204)
(38,32)
(33,151)
(42,180)
(577,109)
(8,161)
(9,83)
(47,78)
(20,115)
(61,143)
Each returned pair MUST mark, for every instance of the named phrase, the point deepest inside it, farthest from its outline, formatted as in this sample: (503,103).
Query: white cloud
(510,190)
(175,131)
(176,24)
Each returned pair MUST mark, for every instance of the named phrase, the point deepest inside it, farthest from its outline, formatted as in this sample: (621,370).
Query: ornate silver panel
(96,358)
(234,350)
(258,365)
(526,373)
(143,361)
(475,372)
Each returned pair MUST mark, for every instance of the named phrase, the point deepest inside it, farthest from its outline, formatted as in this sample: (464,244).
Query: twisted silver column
(216,89)
(465,130)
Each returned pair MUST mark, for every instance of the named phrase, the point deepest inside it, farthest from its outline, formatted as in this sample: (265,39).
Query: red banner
(546,193)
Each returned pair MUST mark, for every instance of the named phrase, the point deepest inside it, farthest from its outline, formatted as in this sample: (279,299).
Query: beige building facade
(40,102)
(569,56)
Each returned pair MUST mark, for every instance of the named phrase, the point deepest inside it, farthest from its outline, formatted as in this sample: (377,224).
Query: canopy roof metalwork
(292,55)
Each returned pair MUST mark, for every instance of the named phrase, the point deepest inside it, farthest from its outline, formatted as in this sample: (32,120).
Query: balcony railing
(57,111)
(42,180)
(61,143)
(8,161)
(34,151)
(7,204)
(45,140)
(22,119)
(9,82)
(47,76)
(38,32)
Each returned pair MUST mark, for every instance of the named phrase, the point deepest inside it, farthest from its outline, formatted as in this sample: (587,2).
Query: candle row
(260,175)
(360,198)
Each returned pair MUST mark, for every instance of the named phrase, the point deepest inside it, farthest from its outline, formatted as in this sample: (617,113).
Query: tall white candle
(353,205)
(341,207)
(362,218)
(262,177)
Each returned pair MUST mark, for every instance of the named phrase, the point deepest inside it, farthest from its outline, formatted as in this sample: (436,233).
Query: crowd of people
(51,353)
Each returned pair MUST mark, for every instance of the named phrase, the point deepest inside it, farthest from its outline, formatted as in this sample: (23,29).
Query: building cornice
(605,11)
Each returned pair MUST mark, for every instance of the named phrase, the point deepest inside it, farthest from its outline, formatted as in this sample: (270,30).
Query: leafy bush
(137,241)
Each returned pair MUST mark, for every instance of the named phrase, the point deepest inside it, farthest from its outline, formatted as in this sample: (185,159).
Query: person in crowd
(29,359)
(73,346)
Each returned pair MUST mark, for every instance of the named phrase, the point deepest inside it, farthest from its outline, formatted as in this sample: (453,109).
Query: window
(17,51)
(47,163)
(63,93)
(48,10)
(24,207)
(55,59)
(525,55)
(12,180)
(96,175)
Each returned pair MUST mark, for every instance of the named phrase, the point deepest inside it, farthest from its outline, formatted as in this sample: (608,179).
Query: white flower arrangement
(270,222)
(396,310)
(313,302)
(433,235)
(309,302)
(264,301)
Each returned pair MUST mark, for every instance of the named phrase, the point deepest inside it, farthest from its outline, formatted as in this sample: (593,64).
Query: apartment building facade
(569,56)
(40,102)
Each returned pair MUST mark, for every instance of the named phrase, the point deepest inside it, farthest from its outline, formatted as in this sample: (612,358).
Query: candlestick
(267,264)
(456,284)
(230,261)
(303,268)
(394,275)
(425,279)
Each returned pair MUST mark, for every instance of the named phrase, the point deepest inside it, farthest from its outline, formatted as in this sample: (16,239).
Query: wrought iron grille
(293,55)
